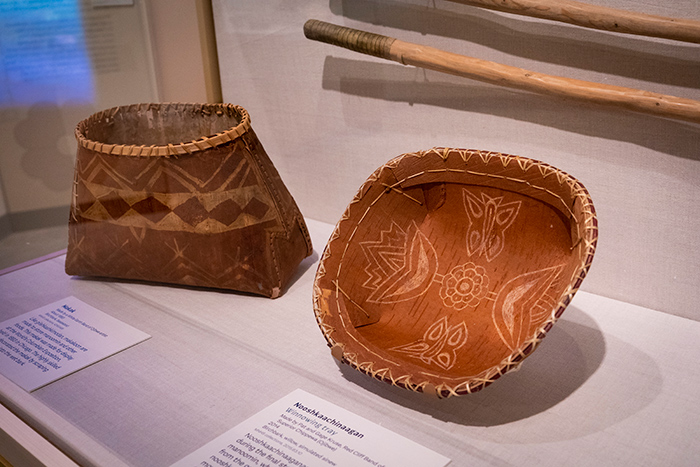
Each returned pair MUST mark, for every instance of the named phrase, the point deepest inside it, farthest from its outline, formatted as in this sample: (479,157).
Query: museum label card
(304,430)
(43,345)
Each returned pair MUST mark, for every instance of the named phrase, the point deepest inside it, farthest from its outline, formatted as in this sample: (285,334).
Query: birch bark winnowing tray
(449,267)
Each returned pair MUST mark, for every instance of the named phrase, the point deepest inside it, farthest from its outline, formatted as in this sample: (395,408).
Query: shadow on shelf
(569,356)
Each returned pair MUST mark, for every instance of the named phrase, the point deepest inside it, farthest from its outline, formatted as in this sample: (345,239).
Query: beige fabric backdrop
(328,117)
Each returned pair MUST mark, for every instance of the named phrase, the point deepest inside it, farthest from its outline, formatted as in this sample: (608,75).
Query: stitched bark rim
(217,115)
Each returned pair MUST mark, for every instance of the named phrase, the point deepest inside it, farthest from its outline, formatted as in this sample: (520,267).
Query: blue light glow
(43,55)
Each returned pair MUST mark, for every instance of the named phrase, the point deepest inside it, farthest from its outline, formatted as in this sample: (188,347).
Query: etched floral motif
(439,344)
(465,285)
(488,219)
(401,265)
(523,302)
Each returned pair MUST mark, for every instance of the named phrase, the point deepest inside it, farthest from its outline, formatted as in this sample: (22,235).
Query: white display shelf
(612,383)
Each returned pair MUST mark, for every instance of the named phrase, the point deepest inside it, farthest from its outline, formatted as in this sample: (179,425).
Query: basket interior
(457,283)
(159,124)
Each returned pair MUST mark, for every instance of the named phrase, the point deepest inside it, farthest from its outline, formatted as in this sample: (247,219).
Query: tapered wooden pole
(598,17)
(430,58)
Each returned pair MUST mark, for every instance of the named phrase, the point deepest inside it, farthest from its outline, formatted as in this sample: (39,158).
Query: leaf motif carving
(399,273)
(517,303)
(439,344)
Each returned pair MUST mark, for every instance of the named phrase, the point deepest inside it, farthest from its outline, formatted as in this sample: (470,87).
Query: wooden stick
(430,58)
(598,17)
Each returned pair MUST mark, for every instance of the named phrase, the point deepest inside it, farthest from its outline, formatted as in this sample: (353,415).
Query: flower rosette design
(464,286)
